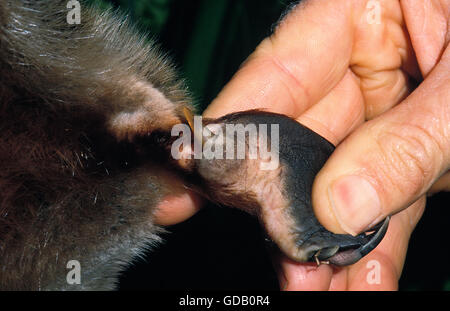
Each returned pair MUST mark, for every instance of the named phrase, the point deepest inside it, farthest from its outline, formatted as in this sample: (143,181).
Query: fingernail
(355,204)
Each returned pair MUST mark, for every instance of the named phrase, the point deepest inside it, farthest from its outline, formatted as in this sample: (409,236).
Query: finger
(389,162)
(304,276)
(374,272)
(339,113)
(339,280)
(297,66)
(428,26)
(382,268)
(176,208)
(178,204)
(382,57)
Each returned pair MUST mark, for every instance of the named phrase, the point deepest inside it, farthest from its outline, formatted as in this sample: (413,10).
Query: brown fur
(81,107)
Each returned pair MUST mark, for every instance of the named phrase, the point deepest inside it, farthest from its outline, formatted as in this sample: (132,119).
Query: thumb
(389,162)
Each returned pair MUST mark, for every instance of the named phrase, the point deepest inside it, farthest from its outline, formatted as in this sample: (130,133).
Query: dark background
(222,248)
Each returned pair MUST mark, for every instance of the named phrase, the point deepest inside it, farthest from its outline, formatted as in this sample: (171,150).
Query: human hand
(333,65)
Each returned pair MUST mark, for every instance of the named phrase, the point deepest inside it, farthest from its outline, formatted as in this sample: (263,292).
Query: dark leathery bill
(282,199)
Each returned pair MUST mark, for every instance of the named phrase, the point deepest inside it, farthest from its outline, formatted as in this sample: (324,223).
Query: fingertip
(176,208)
(375,272)
(322,205)
(304,276)
(382,268)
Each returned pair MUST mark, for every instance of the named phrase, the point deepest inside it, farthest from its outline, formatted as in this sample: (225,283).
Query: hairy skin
(83,109)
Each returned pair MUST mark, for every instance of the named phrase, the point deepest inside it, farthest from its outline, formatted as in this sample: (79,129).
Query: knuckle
(412,157)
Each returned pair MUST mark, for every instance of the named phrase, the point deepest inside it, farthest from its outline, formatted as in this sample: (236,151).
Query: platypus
(86,120)
(279,195)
